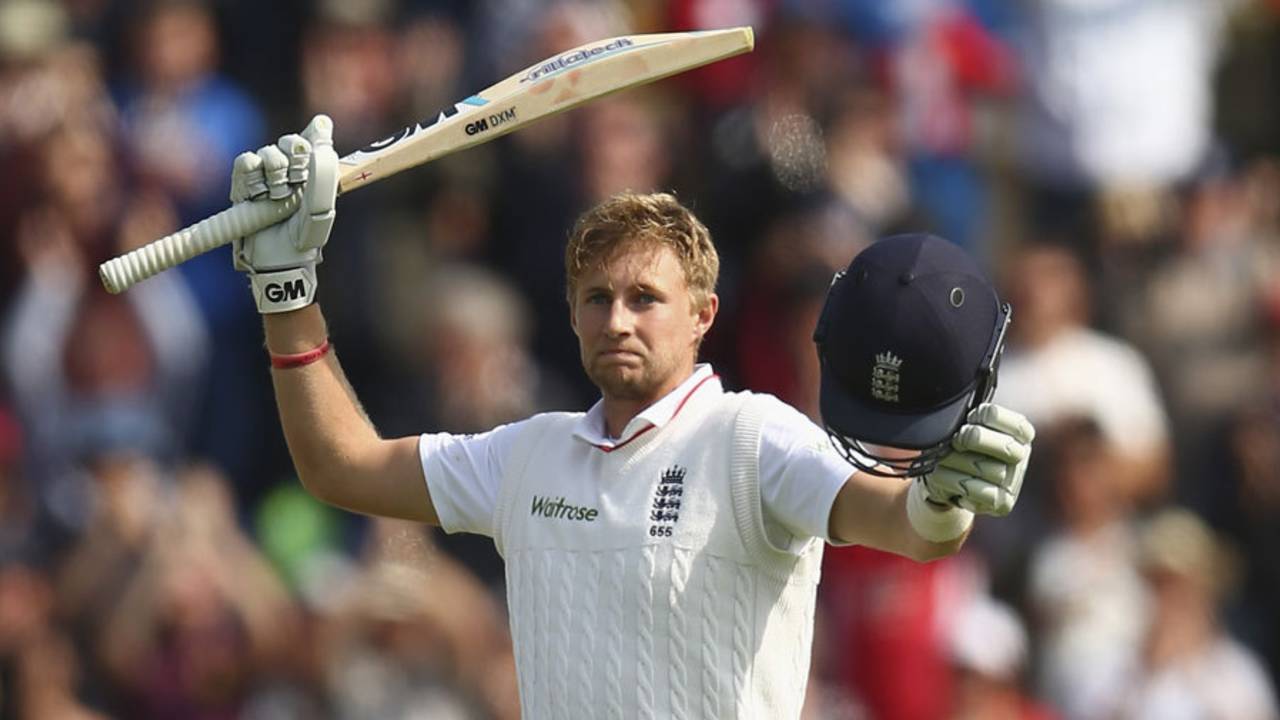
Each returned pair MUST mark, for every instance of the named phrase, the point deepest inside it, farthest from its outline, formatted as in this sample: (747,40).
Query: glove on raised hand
(281,259)
(984,470)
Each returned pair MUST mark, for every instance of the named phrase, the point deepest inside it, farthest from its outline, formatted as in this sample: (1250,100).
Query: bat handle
(123,272)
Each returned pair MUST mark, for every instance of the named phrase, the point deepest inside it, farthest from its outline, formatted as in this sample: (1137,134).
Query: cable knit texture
(641,582)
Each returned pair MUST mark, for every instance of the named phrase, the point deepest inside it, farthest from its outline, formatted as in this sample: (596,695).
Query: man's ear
(706,315)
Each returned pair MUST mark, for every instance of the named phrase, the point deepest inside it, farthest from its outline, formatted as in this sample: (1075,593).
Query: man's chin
(621,383)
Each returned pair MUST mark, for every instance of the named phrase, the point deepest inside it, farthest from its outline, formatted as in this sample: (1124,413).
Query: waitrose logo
(558,509)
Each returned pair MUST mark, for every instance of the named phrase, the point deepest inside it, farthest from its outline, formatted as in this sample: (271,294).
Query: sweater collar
(590,427)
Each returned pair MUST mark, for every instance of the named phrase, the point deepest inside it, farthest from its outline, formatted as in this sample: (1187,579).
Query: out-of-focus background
(1114,163)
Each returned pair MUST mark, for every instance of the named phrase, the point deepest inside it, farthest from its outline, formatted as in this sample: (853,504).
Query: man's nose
(620,320)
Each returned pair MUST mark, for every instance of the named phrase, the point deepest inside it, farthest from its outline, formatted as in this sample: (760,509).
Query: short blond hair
(643,219)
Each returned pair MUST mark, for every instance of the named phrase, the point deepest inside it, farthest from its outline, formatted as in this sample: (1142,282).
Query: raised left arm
(871,510)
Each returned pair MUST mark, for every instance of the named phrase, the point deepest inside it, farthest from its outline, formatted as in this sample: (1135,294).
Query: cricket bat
(546,88)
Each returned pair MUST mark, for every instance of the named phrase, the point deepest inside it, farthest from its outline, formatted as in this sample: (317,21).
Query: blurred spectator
(47,676)
(129,494)
(349,73)
(990,654)
(468,332)
(192,629)
(941,65)
(18,519)
(38,666)
(885,620)
(1247,113)
(26,605)
(519,33)
(30,29)
(1188,666)
(88,370)
(174,97)
(772,326)
(1086,595)
(400,652)
(1056,367)
(773,151)
(802,176)
(46,82)
(866,168)
(477,334)
(1118,108)
(727,83)
(944,67)
(48,78)
(1246,509)
(431,53)
(624,147)
(1200,312)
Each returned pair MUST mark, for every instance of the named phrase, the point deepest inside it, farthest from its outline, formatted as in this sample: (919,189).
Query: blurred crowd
(1114,163)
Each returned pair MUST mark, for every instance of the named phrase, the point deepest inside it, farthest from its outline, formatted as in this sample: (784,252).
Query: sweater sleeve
(800,475)
(464,475)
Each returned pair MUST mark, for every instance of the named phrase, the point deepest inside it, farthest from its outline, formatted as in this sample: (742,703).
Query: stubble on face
(619,383)
(639,365)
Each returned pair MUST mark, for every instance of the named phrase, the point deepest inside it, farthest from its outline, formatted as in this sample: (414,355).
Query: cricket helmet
(909,341)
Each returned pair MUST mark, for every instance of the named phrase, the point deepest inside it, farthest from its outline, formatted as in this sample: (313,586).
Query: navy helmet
(909,342)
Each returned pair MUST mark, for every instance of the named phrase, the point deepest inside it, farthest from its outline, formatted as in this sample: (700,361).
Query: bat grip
(123,272)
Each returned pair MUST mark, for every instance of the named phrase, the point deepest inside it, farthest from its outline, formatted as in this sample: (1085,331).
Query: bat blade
(552,86)
(549,87)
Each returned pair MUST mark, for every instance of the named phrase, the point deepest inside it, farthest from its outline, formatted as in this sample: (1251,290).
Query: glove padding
(281,259)
(984,470)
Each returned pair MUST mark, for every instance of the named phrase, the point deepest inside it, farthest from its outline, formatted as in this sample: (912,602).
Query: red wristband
(284,362)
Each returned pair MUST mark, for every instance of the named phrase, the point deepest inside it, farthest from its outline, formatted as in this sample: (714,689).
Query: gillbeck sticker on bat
(564,62)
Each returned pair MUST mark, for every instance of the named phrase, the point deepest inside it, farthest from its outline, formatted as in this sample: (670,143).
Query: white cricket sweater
(640,581)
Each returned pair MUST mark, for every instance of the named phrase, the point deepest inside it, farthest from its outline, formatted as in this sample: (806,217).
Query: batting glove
(281,260)
(984,470)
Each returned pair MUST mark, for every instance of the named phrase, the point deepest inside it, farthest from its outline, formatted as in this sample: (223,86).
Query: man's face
(637,327)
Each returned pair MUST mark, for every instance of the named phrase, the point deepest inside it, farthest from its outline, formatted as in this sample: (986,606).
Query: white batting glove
(281,260)
(984,470)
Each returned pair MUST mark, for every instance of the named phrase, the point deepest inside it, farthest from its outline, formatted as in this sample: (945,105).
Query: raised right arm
(337,452)
(339,456)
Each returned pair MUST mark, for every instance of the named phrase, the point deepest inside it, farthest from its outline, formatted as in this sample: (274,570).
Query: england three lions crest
(885,376)
(667,498)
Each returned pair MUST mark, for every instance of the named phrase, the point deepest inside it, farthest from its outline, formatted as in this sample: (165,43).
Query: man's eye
(598,299)
(646,298)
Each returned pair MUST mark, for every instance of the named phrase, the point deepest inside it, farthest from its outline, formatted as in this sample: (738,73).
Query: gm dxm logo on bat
(493,121)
